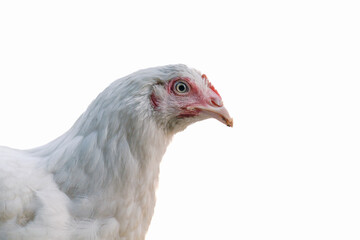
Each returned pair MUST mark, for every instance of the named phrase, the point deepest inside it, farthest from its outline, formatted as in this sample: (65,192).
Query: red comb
(210,85)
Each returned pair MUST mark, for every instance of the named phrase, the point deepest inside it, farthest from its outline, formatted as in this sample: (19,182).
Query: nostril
(217,102)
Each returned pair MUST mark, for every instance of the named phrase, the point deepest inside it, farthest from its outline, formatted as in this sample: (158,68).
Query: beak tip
(229,122)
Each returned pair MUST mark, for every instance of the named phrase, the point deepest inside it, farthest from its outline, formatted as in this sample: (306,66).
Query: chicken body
(98,180)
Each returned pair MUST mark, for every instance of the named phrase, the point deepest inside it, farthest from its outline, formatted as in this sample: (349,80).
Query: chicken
(98,180)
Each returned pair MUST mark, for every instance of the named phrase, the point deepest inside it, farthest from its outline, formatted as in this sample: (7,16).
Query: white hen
(98,180)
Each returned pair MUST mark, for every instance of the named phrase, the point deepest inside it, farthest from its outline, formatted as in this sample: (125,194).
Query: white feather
(98,180)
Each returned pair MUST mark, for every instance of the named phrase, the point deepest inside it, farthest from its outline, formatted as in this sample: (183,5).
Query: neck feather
(114,143)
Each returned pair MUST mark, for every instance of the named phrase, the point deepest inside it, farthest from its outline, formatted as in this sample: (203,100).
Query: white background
(289,74)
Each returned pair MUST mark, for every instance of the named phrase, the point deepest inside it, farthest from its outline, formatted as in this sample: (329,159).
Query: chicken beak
(218,112)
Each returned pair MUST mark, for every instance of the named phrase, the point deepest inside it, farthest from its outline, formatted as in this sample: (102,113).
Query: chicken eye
(181,87)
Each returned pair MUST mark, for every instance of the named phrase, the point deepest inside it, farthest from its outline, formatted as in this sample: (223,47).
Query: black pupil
(181,87)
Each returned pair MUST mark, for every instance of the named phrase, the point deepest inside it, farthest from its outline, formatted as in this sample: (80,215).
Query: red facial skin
(154,100)
(193,88)
(194,96)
